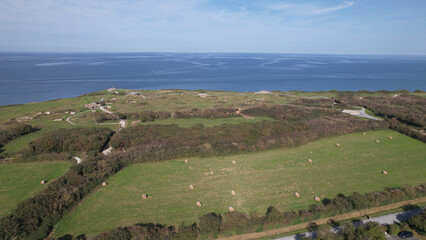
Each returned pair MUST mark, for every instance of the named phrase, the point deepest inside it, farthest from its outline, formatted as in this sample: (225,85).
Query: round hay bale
(233,192)
(149,196)
(191,187)
(104,184)
(186,160)
(377,141)
(364,133)
(211,172)
(234,162)
(231,209)
(43,182)
(144,196)
(317,199)
(390,137)
(385,172)
(338,145)
(296,194)
(199,204)
(310,160)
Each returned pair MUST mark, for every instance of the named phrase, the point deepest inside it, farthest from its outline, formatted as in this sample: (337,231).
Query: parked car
(405,234)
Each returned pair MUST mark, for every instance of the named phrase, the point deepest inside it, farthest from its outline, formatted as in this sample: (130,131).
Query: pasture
(21,181)
(260,180)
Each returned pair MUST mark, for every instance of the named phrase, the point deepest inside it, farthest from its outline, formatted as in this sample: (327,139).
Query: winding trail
(69,118)
(238,112)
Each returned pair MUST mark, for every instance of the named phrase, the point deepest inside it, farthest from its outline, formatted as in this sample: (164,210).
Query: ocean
(34,77)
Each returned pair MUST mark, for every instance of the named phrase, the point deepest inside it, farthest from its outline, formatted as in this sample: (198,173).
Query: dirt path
(104,110)
(321,221)
(78,160)
(69,118)
(243,115)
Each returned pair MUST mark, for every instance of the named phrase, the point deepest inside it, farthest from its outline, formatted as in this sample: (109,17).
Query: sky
(270,26)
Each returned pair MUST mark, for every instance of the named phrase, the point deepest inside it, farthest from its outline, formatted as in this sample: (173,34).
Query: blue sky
(285,26)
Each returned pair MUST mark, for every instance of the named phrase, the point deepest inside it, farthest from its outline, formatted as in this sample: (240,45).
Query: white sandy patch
(263,92)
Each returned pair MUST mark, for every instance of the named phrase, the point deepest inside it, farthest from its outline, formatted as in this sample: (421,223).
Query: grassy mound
(259,180)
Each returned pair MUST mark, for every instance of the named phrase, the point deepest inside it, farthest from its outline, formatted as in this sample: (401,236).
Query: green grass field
(21,181)
(259,179)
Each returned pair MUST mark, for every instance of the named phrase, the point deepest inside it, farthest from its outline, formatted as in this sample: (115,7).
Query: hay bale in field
(364,133)
(317,198)
(144,196)
(199,204)
(390,137)
(377,141)
(385,172)
(310,160)
(234,162)
(296,194)
(231,209)
(338,145)
(186,160)
(233,192)
(191,187)
(104,184)
(43,182)
(211,172)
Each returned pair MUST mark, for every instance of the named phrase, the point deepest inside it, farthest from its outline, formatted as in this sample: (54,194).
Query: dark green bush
(13,131)
(70,140)
(418,223)
(210,224)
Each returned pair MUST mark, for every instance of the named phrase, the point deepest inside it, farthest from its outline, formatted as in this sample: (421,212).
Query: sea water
(30,77)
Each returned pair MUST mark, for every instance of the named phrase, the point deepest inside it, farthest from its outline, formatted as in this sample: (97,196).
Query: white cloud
(311,9)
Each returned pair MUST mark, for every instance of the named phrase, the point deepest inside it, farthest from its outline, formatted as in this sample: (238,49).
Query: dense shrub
(115,234)
(407,130)
(145,116)
(102,116)
(70,140)
(210,224)
(394,229)
(206,113)
(314,102)
(14,131)
(408,109)
(163,142)
(418,223)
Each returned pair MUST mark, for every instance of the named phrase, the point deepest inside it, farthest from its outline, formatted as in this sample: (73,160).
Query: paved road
(386,219)
(360,113)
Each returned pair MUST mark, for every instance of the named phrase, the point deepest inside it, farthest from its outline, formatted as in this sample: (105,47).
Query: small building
(92,106)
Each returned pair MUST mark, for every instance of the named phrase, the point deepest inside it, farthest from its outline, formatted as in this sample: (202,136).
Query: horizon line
(214,52)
